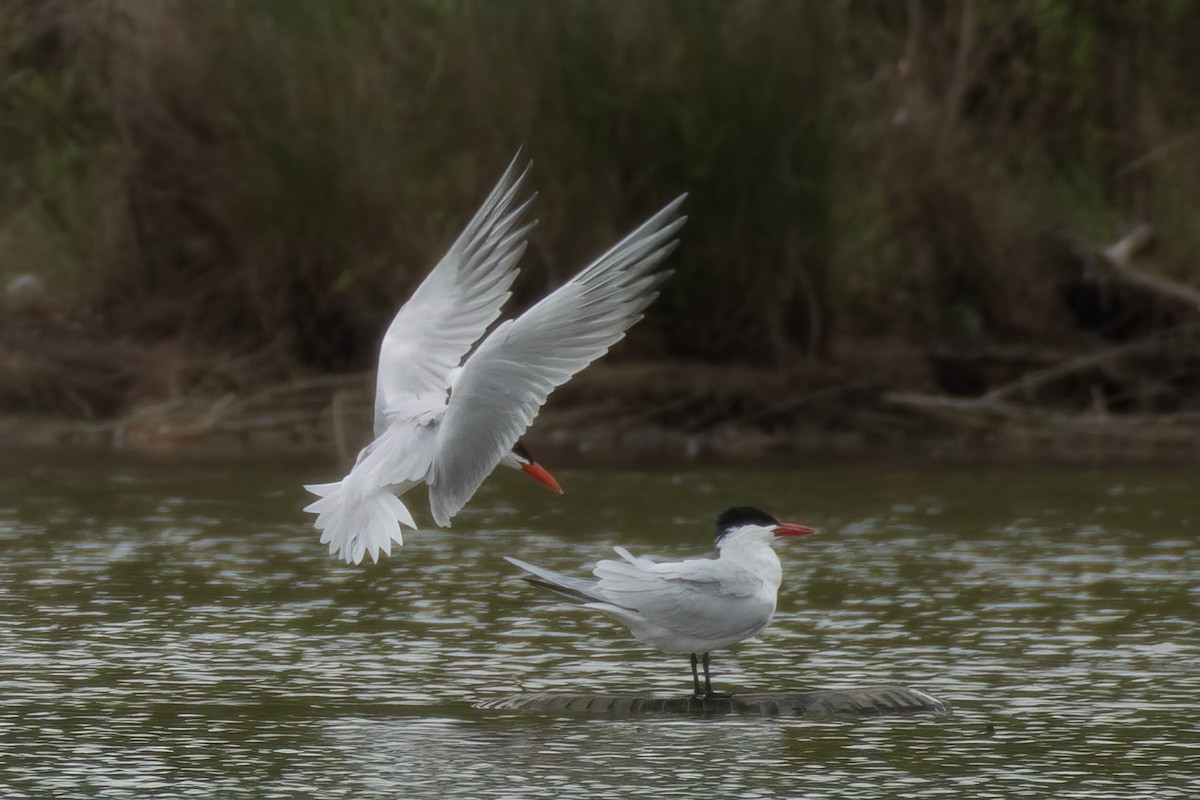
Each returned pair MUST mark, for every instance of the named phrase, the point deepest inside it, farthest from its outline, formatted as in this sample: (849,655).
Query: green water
(177,631)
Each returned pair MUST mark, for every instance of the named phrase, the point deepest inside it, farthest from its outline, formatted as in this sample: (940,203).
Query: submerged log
(874,701)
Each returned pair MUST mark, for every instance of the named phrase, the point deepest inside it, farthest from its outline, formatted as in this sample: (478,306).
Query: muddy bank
(73,379)
(647,412)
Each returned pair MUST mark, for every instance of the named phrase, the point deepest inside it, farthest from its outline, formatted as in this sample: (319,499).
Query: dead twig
(1181,335)
(1039,378)
(1118,258)
(1157,153)
(975,412)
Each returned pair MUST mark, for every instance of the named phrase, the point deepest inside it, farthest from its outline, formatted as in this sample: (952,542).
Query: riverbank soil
(65,382)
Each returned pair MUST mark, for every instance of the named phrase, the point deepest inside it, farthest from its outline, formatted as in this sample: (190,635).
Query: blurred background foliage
(273,176)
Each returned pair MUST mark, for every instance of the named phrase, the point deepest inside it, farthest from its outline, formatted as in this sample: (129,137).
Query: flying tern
(446,414)
(692,606)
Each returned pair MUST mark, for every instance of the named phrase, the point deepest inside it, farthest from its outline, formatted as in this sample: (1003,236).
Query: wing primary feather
(499,238)
(500,197)
(653,223)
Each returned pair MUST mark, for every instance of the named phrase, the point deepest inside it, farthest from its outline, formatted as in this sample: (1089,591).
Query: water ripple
(179,632)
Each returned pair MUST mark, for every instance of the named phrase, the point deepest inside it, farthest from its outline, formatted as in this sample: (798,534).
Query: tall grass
(278,173)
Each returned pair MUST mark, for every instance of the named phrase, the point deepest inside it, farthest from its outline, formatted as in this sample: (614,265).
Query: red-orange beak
(539,474)
(793,529)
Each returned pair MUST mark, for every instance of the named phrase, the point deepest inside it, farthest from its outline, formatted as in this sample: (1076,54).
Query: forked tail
(354,523)
(574,590)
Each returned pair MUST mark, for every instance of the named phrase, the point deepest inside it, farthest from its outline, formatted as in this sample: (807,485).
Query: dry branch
(1072,366)
(1118,257)
(972,412)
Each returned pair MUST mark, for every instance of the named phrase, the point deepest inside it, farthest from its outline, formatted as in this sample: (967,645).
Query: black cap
(736,517)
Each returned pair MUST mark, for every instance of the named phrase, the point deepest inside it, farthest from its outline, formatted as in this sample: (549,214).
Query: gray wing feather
(454,305)
(683,596)
(504,383)
(688,597)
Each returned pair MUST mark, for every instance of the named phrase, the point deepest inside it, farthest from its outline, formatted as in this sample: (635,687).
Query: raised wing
(504,383)
(453,306)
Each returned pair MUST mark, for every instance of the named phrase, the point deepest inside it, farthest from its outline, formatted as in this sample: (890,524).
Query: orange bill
(793,529)
(539,474)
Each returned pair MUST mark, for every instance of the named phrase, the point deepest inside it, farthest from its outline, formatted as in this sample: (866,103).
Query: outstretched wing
(453,306)
(504,383)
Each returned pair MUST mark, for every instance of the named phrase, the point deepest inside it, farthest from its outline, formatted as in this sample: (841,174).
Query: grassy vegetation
(274,175)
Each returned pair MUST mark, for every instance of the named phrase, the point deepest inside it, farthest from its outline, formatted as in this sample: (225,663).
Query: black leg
(709,694)
(695,678)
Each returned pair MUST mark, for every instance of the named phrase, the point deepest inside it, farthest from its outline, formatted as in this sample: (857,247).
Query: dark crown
(734,518)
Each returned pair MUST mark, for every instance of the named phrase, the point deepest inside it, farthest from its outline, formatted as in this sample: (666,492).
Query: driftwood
(1006,429)
(868,702)
(1180,336)
(1031,381)
(1118,258)
(1014,405)
(972,412)
(286,415)
(983,413)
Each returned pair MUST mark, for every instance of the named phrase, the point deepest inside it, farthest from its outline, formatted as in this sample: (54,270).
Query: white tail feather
(356,523)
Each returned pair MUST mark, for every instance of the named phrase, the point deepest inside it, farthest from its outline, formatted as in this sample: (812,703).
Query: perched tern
(692,606)
(448,422)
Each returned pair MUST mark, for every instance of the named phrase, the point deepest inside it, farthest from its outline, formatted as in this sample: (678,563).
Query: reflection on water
(178,631)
